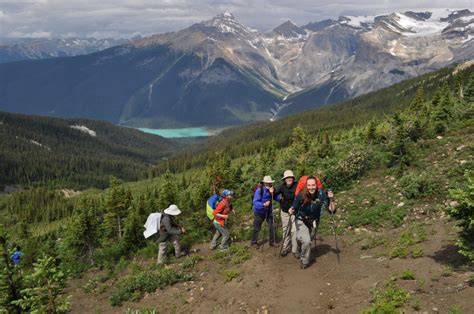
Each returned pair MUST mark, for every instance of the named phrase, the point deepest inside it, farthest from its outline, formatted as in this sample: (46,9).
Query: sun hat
(267,179)
(288,174)
(173,210)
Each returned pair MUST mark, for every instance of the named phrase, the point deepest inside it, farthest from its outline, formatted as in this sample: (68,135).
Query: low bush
(134,286)
(418,186)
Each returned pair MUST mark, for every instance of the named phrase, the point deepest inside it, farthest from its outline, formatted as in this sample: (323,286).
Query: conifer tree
(417,103)
(10,279)
(117,203)
(45,292)
(82,234)
(469,90)
(168,191)
(326,148)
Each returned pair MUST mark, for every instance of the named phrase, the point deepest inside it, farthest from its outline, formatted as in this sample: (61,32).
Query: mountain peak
(290,30)
(226,23)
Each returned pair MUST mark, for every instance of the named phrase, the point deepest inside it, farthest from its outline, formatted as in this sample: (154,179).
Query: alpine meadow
(338,176)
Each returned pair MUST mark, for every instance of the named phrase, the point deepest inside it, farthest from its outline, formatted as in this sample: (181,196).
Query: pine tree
(464,212)
(371,131)
(10,279)
(117,203)
(168,191)
(469,90)
(133,230)
(326,148)
(82,234)
(45,292)
(417,103)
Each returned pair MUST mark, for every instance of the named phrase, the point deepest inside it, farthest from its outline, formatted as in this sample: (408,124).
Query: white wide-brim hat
(173,210)
(267,179)
(288,174)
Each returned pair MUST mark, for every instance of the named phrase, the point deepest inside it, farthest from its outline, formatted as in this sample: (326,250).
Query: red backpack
(302,184)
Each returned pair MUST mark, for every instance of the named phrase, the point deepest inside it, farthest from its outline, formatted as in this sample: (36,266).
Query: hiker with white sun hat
(169,232)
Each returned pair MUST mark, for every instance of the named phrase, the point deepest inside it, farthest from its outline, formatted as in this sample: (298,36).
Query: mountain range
(17,49)
(220,72)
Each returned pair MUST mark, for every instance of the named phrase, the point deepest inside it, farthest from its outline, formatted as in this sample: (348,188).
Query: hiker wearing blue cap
(221,214)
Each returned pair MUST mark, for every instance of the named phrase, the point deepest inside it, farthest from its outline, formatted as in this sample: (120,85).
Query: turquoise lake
(172,133)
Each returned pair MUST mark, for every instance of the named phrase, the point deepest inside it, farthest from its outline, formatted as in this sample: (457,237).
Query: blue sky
(126,18)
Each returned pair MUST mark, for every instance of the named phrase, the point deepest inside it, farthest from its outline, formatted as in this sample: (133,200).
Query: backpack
(302,184)
(212,202)
(254,189)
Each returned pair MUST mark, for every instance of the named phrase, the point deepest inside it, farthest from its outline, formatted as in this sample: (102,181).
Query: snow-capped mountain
(221,70)
(16,49)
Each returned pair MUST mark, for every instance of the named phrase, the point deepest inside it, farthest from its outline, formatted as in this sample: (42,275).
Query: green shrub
(464,213)
(134,286)
(389,299)
(373,242)
(351,168)
(230,274)
(190,262)
(377,216)
(413,235)
(414,187)
(407,275)
(236,255)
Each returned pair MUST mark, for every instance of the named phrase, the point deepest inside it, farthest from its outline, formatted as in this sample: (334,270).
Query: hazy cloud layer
(126,18)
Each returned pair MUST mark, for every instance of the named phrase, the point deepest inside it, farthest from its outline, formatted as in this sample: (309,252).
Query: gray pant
(304,236)
(290,240)
(174,238)
(220,231)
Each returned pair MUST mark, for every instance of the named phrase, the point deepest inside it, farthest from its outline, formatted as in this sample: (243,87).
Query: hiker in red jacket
(221,214)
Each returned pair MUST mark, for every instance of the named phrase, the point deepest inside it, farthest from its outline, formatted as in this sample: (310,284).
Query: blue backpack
(211,205)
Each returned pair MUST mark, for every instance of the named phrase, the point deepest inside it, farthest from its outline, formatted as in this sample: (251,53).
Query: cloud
(126,18)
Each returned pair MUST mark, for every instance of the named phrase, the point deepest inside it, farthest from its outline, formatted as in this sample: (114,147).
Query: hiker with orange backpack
(287,193)
(307,209)
(221,214)
(263,210)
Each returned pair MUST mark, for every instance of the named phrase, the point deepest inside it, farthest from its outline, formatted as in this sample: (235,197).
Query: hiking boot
(297,255)
(303,266)
(181,254)
(254,245)
(283,253)
(224,249)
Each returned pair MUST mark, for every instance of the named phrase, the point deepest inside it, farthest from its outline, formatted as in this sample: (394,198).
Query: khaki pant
(290,240)
(164,245)
(304,236)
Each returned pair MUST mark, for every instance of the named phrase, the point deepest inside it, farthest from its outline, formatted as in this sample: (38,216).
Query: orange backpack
(302,184)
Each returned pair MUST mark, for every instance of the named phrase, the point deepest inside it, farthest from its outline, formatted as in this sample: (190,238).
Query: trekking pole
(333,224)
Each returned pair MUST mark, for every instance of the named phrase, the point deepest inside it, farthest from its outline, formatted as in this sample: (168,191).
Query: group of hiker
(301,204)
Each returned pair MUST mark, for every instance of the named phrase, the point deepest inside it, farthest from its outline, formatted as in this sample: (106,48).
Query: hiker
(17,256)
(221,214)
(262,209)
(307,209)
(169,231)
(287,193)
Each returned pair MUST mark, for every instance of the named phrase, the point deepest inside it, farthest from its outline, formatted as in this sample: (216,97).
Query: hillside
(74,153)
(396,178)
(249,139)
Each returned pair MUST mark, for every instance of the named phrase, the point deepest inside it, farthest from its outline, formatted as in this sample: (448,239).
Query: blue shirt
(258,201)
(16,257)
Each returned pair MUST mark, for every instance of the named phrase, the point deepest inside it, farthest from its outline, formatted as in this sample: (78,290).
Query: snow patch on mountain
(357,21)
(419,27)
(84,129)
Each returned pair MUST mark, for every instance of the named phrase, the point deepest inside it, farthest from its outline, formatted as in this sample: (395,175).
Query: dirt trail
(268,283)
